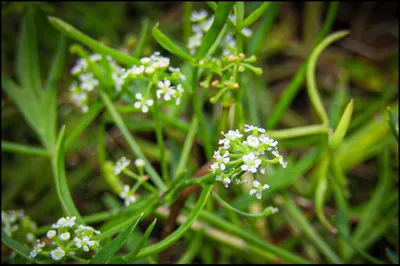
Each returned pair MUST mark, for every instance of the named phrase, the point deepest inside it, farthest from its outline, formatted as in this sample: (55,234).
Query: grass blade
(221,14)
(61,181)
(24,149)
(143,33)
(132,256)
(169,45)
(96,46)
(107,253)
(342,126)
(311,80)
(256,14)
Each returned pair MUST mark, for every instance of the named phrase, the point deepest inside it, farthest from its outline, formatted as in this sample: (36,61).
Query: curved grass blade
(255,15)
(169,45)
(311,81)
(132,256)
(96,46)
(221,14)
(107,253)
(24,149)
(61,181)
(294,85)
(342,126)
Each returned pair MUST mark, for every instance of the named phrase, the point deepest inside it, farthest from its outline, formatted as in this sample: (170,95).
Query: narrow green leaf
(221,14)
(342,126)
(298,132)
(393,122)
(132,256)
(24,149)
(239,13)
(57,65)
(27,61)
(256,14)
(169,45)
(61,180)
(193,249)
(213,6)
(96,46)
(107,253)
(311,68)
(143,34)
(320,191)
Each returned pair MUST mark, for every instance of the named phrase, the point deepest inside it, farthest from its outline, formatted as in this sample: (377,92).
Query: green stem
(159,135)
(20,148)
(298,132)
(197,104)
(131,142)
(228,206)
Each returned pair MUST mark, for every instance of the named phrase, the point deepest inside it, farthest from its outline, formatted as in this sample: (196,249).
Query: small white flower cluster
(19,226)
(120,165)
(238,155)
(202,24)
(157,64)
(67,238)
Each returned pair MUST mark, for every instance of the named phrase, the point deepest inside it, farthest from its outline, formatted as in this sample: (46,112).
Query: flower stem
(159,135)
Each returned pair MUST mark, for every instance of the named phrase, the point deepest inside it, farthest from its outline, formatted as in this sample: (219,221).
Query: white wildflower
(247,32)
(65,236)
(57,254)
(166,89)
(248,128)
(258,189)
(139,163)
(197,16)
(84,243)
(253,141)
(36,249)
(64,222)
(88,82)
(230,136)
(149,70)
(143,103)
(221,159)
(281,161)
(226,181)
(80,66)
(51,233)
(120,165)
(251,162)
(178,94)
(127,196)
(95,57)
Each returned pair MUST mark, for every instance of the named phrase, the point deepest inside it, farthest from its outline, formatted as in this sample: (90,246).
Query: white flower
(65,236)
(230,136)
(88,82)
(251,162)
(81,65)
(166,89)
(197,16)
(248,128)
(247,32)
(145,60)
(215,168)
(120,165)
(119,80)
(50,234)
(57,254)
(194,41)
(143,103)
(226,181)
(178,94)
(177,71)
(149,70)
(127,196)
(161,62)
(84,243)
(36,249)
(268,141)
(64,222)
(281,161)
(30,237)
(136,70)
(258,189)
(221,159)
(88,230)
(139,163)
(253,141)
(95,57)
